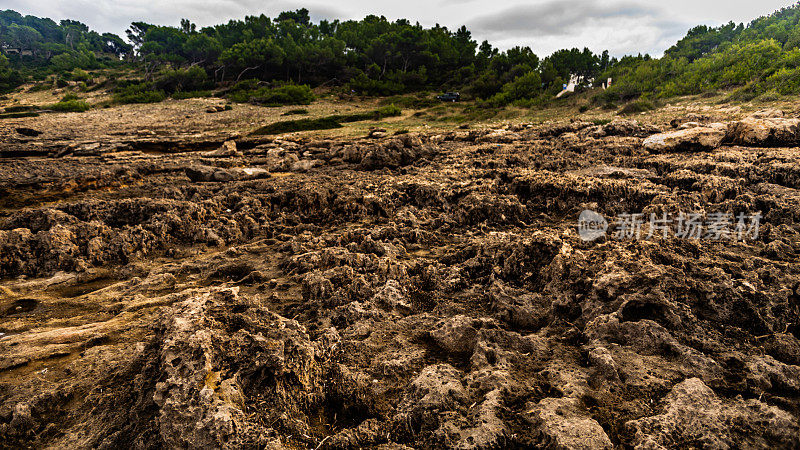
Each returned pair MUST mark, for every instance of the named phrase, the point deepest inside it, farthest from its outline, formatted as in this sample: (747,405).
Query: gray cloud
(621,26)
(557,17)
(116,15)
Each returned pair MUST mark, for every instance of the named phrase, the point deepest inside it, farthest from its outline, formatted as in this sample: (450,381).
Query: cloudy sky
(621,26)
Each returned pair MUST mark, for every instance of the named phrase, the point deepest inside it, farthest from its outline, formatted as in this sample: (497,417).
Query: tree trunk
(245,70)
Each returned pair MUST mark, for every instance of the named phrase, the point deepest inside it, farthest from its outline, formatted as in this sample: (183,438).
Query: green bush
(187,80)
(9,79)
(19,108)
(387,111)
(138,93)
(411,102)
(18,115)
(250,84)
(769,97)
(377,114)
(786,81)
(80,75)
(520,91)
(70,106)
(366,85)
(287,94)
(190,94)
(524,87)
(180,83)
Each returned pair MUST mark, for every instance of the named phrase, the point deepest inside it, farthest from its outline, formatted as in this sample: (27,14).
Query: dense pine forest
(280,60)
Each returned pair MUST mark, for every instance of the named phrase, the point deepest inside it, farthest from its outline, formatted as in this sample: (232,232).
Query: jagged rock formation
(415,290)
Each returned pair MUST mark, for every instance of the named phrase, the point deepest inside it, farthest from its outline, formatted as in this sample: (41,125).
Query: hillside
(761,59)
(376,57)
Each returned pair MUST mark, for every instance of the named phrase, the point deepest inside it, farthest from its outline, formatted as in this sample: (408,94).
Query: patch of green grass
(768,97)
(601,122)
(70,103)
(288,94)
(411,102)
(289,126)
(464,114)
(190,94)
(326,123)
(70,106)
(18,115)
(19,108)
(377,114)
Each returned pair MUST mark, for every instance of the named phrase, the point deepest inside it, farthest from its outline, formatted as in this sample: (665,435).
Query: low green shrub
(80,75)
(287,94)
(70,106)
(410,102)
(19,108)
(191,79)
(363,84)
(18,115)
(377,114)
(138,93)
(769,97)
(190,94)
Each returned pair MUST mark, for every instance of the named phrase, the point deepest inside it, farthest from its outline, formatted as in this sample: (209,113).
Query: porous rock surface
(414,291)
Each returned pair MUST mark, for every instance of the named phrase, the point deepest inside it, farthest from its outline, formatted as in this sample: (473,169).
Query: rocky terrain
(419,290)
